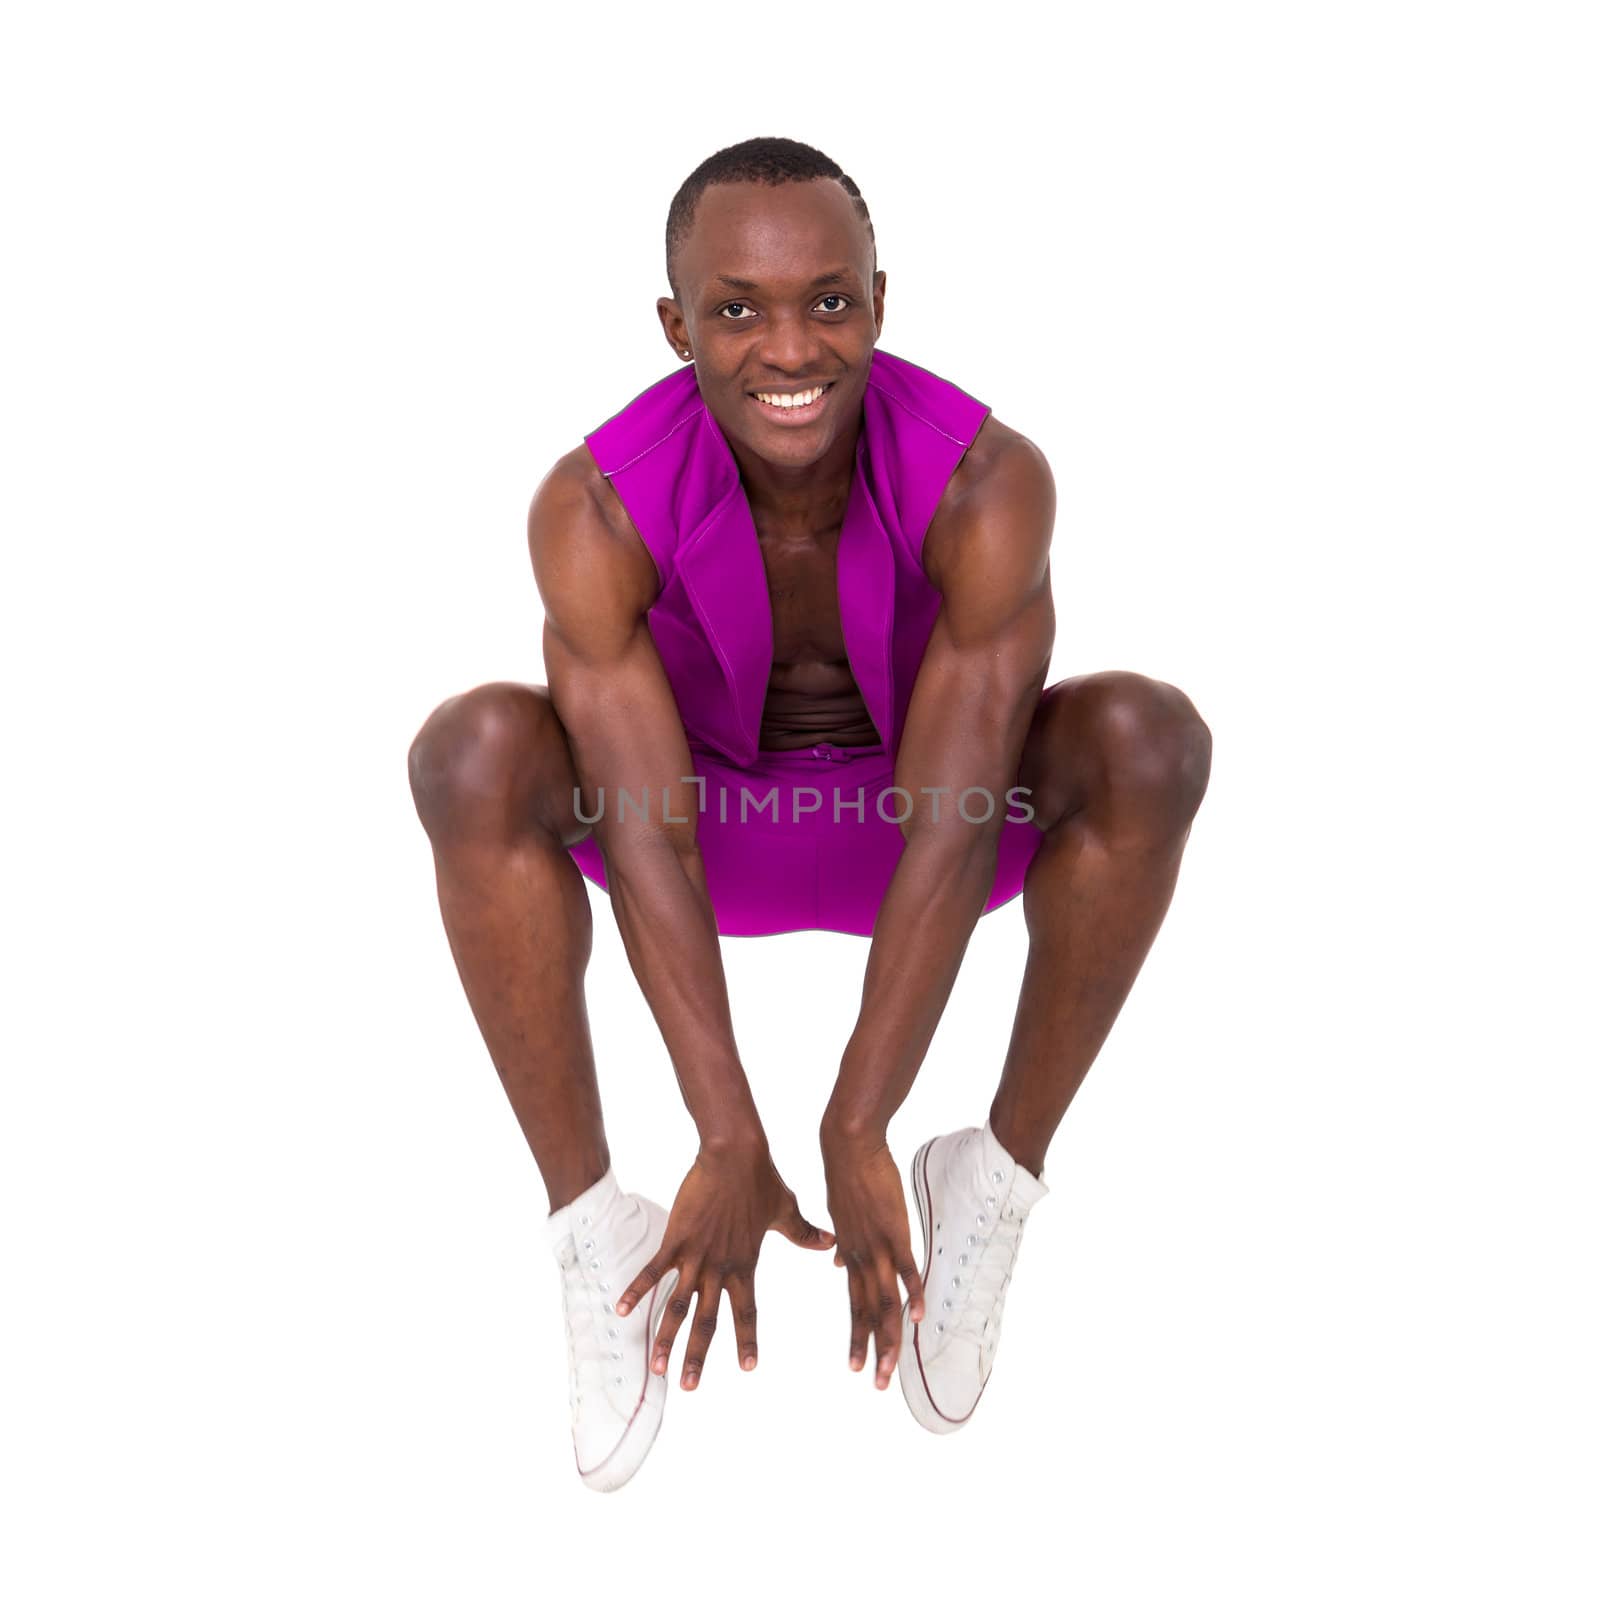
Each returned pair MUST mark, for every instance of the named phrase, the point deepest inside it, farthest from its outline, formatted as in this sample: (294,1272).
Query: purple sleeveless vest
(712,619)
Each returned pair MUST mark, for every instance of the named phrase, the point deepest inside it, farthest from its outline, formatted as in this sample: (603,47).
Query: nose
(790,343)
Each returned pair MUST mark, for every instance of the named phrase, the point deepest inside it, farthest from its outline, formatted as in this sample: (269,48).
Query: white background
(300,304)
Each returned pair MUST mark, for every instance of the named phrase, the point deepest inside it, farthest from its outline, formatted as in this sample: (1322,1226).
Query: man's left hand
(873,1235)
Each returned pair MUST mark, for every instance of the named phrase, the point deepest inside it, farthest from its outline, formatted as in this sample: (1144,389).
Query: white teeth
(787,401)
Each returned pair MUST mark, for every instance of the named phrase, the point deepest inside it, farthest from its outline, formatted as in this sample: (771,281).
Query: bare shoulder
(1003,482)
(579,534)
(576,493)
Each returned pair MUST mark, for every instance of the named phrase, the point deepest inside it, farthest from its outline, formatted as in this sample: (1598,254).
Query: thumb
(806,1234)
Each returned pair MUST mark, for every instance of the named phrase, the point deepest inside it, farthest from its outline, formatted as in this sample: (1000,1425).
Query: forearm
(925,922)
(658,892)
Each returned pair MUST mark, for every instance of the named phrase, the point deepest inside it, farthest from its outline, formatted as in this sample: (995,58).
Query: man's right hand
(724,1209)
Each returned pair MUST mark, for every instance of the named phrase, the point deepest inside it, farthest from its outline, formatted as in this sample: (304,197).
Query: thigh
(760,859)
(760,862)
(859,855)
(861,845)
(1060,762)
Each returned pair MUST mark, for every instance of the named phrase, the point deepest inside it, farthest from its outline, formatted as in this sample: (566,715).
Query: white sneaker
(600,1241)
(972,1202)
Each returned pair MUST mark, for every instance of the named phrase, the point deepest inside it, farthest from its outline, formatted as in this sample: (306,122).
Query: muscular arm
(607,684)
(969,714)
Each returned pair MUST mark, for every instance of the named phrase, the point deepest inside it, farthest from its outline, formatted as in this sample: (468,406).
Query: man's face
(778,294)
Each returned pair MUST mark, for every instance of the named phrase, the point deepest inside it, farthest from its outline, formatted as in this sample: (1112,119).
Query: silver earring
(684,354)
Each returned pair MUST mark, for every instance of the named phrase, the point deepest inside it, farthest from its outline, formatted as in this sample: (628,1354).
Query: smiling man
(798,624)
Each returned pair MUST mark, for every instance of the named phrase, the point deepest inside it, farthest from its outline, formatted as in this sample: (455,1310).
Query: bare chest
(812,694)
(803,585)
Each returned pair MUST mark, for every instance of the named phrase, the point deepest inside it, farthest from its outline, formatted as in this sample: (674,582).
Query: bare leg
(1121,762)
(492,777)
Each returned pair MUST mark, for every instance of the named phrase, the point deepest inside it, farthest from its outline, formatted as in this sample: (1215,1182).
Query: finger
(702,1328)
(795,1227)
(742,1298)
(860,1317)
(886,1318)
(677,1310)
(914,1291)
(649,1275)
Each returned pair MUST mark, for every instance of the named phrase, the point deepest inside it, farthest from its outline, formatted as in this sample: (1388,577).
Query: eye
(843,301)
(734,305)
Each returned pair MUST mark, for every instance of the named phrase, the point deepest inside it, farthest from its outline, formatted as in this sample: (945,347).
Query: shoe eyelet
(939,1326)
(992,1201)
(939,1251)
(948,1305)
(961,1260)
(588,1244)
(605,1286)
(955,1283)
(583,1222)
(616,1355)
(972,1238)
(619,1379)
(611,1333)
(997,1177)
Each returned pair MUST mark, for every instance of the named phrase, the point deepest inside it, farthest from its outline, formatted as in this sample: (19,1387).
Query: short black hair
(770,161)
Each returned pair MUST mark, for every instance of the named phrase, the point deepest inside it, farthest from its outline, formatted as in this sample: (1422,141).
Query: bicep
(622,724)
(989,650)
(605,675)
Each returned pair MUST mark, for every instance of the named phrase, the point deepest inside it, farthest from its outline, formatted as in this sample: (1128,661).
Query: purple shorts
(819,839)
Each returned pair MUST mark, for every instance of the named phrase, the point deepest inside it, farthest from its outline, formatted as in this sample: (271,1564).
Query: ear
(673,325)
(879,279)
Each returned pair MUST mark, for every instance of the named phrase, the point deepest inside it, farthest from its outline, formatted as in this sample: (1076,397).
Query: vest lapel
(722,571)
(866,599)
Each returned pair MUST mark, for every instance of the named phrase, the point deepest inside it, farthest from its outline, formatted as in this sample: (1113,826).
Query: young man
(798,625)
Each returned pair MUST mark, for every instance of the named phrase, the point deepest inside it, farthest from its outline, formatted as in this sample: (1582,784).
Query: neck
(816,492)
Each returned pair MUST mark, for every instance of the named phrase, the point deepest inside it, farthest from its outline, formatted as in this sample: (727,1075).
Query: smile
(793,408)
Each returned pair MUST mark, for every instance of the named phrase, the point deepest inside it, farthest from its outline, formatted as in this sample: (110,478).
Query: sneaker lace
(594,1347)
(986,1262)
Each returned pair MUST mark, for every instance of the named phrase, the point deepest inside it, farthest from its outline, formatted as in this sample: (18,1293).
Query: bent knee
(1155,746)
(483,755)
